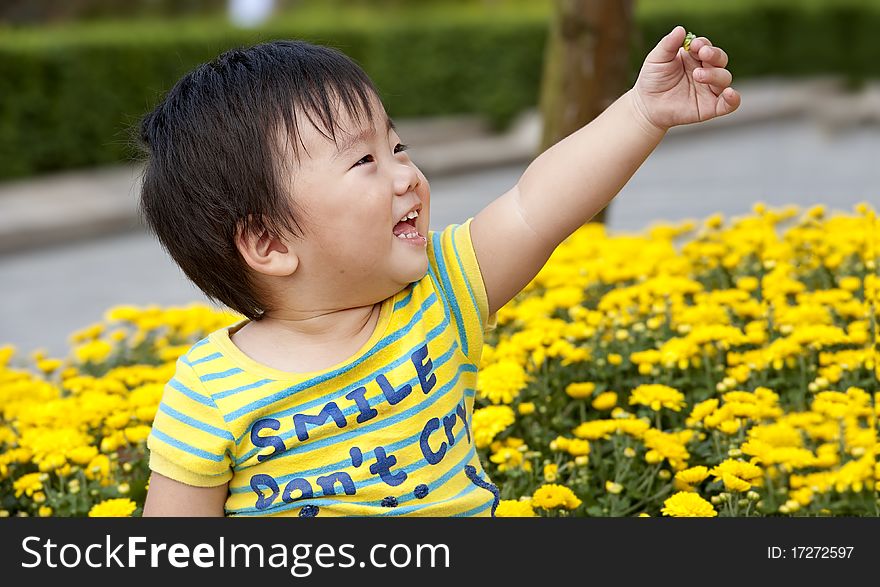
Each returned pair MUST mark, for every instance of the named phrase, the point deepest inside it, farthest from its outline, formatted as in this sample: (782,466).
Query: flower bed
(725,370)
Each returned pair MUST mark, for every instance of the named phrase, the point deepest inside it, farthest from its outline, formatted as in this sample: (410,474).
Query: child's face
(352,198)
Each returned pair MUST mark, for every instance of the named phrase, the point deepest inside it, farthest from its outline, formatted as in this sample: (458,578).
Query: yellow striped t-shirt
(386,432)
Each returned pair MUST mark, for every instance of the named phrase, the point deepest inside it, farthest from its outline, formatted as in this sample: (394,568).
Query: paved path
(48,293)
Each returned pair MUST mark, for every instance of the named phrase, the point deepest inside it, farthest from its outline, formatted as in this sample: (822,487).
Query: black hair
(214,165)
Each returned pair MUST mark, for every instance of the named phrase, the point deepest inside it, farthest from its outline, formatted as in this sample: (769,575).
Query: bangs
(322,99)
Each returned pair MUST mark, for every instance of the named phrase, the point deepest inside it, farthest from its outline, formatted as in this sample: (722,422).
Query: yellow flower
(136,434)
(615,359)
(605,401)
(44,511)
(95,351)
(735,484)
(490,421)
(715,221)
(508,458)
(612,487)
(526,408)
(48,365)
(120,507)
(6,353)
(553,496)
(693,475)
(685,504)
(580,390)
(577,447)
(82,455)
(511,508)
(550,472)
(747,283)
(658,396)
(501,382)
(28,484)
(98,467)
(741,469)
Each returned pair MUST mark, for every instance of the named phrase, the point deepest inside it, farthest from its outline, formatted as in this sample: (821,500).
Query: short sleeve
(189,441)
(453,261)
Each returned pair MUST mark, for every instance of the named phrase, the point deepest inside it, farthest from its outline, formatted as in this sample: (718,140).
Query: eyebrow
(361,137)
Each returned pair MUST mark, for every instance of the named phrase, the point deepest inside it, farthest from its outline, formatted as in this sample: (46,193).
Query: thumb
(667,48)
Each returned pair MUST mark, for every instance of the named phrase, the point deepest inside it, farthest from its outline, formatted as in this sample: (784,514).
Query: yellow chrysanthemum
(552,496)
(685,504)
(693,475)
(488,422)
(511,508)
(657,396)
(605,401)
(119,507)
(735,484)
(580,390)
(501,382)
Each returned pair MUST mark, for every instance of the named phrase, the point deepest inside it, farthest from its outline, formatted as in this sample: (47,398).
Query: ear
(265,253)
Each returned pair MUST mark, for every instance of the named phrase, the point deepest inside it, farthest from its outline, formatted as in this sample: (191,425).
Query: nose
(407,178)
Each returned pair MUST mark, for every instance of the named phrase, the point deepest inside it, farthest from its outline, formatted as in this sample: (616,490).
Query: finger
(697,45)
(728,101)
(712,55)
(715,77)
(667,49)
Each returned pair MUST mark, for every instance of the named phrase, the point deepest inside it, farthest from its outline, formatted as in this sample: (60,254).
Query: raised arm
(574,179)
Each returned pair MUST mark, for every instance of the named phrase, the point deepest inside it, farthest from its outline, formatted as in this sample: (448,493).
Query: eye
(398,149)
(364,159)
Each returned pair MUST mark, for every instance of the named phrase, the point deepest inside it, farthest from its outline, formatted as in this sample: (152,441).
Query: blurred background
(478,88)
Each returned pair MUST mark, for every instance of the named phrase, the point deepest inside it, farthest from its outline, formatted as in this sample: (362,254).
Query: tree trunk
(586,65)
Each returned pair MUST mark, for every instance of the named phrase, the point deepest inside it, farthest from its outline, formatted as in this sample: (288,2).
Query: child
(348,389)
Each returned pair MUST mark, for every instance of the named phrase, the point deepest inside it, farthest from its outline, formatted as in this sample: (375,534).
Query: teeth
(410,216)
(408,235)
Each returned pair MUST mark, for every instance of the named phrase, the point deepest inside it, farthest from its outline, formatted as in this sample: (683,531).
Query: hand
(680,87)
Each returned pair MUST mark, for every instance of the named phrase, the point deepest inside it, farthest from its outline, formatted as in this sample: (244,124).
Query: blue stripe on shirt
(226,393)
(204,359)
(450,293)
(466,280)
(225,434)
(220,374)
(158,434)
(202,399)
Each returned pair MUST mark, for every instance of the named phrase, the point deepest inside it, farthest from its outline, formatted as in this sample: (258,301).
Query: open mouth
(406,230)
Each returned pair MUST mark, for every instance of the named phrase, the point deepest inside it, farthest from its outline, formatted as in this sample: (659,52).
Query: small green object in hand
(687,41)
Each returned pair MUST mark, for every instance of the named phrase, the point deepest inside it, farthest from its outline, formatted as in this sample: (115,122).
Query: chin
(414,272)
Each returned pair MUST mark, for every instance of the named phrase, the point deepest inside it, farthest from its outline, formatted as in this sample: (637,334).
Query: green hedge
(70,95)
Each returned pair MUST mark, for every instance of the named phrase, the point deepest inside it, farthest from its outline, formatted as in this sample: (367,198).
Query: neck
(317,326)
